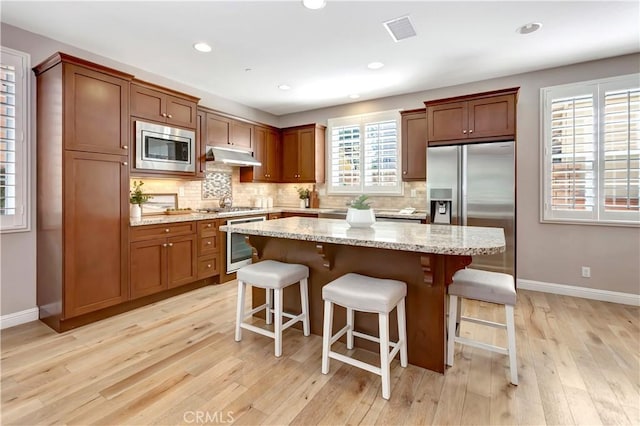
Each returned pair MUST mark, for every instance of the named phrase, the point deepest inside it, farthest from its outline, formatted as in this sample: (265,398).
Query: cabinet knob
(124,163)
(208,243)
(169,116)
(464,131)
(208,225)
(208,265)
(125,147)
(404,172)
(170,244)
(164,245)
(164,114)
(471,131)
(166,230)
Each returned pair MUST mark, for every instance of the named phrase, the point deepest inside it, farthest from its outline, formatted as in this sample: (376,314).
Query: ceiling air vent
(400,28)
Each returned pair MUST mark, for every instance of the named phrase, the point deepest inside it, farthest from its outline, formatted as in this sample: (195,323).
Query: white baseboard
(18,318)
(584,292)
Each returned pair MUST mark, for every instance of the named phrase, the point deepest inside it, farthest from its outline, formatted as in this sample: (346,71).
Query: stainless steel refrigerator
(474,185)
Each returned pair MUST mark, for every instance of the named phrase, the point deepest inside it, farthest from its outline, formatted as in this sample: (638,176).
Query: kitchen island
(423,256)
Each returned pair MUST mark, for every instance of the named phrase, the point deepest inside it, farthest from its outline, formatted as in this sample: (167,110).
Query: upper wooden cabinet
(489,116)
(220,130)
(163,105)
(414,145)
(267,151)
(303,154)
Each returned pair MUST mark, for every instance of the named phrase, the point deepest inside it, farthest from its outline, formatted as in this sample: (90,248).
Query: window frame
(362,120)
(21,221)
(598,215)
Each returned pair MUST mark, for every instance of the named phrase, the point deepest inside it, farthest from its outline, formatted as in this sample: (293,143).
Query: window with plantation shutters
(591,151)
(13,141)
(364,154)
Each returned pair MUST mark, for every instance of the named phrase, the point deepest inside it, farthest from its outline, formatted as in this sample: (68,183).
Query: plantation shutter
(381,154)
(345,155)
(8,140)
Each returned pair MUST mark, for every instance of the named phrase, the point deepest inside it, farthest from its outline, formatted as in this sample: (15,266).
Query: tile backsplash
(220,178)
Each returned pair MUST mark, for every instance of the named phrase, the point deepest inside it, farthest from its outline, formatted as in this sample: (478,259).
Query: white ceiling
(323,54)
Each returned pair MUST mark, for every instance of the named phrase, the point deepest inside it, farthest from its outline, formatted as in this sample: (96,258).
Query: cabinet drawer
(207,245)
(207,228)
(146,232)
(207,267)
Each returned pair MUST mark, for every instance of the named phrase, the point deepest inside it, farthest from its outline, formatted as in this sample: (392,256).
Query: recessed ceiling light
(354,96)
(529,28)
(314,4)
(202,47)
(375,65)
(284,87)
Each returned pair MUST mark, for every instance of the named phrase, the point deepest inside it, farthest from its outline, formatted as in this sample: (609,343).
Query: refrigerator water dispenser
(441,205)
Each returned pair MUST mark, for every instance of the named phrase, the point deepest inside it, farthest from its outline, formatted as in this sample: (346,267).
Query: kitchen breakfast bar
(425,257)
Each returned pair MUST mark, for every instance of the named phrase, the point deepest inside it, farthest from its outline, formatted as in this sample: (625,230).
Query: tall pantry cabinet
(82,188)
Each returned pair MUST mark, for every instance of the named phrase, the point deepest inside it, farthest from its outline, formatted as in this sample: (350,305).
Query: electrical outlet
(586,272)
(414,193)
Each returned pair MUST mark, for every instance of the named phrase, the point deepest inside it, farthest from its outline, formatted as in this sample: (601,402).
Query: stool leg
(453,313)
(326,335)
(511,337)
(350,328)
(269,302)
(385,370)
(402,332)
(277,295)
(240,310)
(458,315)
(304,300)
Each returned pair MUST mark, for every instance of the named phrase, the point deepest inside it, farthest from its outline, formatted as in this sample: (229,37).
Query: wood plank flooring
(176,362)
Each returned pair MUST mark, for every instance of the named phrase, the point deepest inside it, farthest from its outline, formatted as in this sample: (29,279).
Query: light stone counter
(436,239)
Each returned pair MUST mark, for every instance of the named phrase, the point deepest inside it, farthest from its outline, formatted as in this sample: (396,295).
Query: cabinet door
(414,146)
(201,146)
(147,103)
(307,155)
(96,111)
(148,267)
(181,260)
(180,112)
(447,121)
(273,156)
(96,205)
(493,116)
(218,128)
(290,156)
(260,173)
(241,135)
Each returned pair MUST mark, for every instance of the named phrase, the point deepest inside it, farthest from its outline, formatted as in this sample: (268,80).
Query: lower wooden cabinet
(159,262)
(208,249)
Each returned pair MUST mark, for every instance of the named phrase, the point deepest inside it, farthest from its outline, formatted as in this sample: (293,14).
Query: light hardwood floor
(176,362)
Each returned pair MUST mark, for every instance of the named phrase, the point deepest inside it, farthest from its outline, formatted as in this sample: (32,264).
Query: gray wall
(546,252)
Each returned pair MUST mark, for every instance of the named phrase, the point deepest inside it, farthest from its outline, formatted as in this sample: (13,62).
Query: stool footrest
(339,334)
(484,322)
(254,310)
(355,363)
(258,330)
(481,345)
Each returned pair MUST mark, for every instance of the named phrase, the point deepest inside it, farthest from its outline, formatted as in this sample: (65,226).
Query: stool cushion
(272,274)
(364,293)
(493,287)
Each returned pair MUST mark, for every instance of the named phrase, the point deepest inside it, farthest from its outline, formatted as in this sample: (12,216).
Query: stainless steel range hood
(230,156)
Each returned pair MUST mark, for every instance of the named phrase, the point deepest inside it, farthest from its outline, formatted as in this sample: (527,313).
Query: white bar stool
(272,276)
(366,294)
(492,287)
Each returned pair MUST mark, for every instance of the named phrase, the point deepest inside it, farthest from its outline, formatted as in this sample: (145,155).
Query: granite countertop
(437,239)
(160,219)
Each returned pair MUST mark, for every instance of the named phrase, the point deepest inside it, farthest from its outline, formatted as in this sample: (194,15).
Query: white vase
(135,211)
(360,218)
(302,203)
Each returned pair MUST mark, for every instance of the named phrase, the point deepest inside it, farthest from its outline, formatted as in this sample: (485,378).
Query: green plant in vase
(360,214)
(304,194)
(137,197)
(360,203)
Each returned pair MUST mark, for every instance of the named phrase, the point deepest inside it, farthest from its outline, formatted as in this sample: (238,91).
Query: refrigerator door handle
(462,178)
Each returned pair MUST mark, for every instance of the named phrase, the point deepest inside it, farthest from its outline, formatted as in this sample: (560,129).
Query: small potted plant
(360,214)
(304,194)
(137,198)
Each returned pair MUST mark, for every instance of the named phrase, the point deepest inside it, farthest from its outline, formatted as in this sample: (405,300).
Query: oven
(167,148)
(239,253)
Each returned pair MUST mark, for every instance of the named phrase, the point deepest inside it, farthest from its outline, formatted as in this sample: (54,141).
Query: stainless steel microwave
(161,147)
